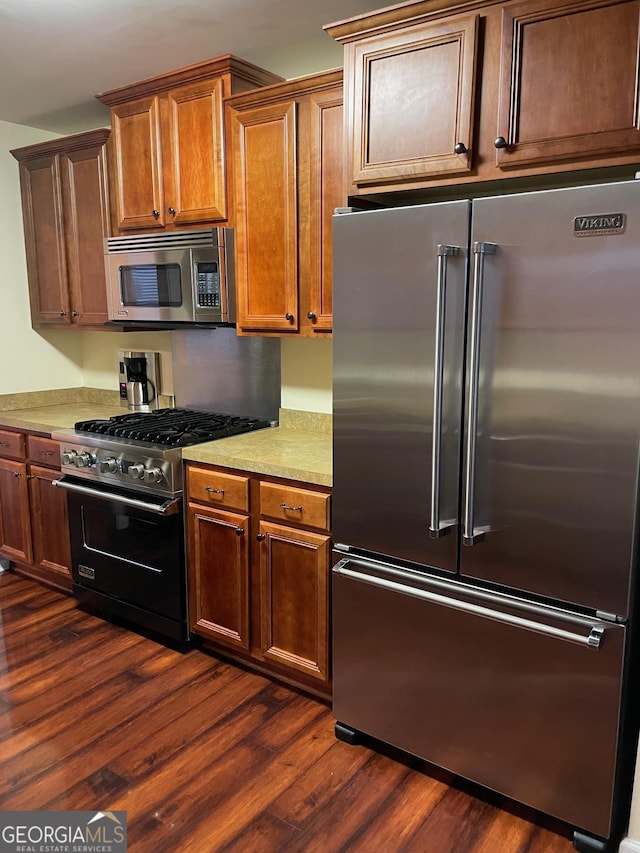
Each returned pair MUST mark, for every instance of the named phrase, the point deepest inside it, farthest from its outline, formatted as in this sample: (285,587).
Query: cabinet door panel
(196,153)
(44,236)
(327,193)
(294,566)
(86,206)
(219,575)
(413,102)
(263,141)
(50,522)
(138,164)
(15,529)
(569,80)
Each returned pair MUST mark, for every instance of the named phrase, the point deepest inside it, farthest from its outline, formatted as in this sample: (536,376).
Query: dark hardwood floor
(205,756)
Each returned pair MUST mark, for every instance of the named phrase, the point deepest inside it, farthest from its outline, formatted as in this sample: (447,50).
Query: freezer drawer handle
(436,527)
(169,507)
(470,536)
(592,640)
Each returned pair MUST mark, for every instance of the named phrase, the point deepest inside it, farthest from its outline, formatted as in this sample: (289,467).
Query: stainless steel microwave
(178,277)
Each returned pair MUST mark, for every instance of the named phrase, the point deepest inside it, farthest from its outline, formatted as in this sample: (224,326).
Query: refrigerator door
(520,698)
(398,340)
(552,423)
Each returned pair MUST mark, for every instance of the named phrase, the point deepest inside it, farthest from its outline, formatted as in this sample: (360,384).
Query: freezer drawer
(522,699)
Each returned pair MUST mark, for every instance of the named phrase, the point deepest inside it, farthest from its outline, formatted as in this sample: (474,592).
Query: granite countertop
(300,448)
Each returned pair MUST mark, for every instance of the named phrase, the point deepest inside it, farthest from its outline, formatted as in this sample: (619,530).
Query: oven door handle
(169,507)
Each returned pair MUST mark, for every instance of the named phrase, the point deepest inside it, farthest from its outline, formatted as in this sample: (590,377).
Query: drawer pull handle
(291,508)
(4,444)
(45,452)
(213,491)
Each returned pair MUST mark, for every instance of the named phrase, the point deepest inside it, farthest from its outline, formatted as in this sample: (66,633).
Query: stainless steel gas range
(124,482)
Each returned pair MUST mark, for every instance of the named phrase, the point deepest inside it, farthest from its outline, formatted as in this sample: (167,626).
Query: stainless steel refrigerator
(485,497)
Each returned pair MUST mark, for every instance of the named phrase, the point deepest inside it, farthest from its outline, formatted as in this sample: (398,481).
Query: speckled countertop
(298,449)
(44,411)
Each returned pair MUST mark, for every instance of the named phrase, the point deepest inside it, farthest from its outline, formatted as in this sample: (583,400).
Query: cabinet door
(568,80)
(86,216)
(294,609)
(137,179)
(219,575)
(50,523)
(15,529)
(194,169)
(327,193)
(412,101)
(263,142)
(44,239)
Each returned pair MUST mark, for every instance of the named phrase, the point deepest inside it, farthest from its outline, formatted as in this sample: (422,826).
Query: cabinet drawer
(218,489)
(44,451)
(12,444)
(293,505)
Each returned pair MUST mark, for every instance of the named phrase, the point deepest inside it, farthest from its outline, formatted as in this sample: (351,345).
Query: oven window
(142,540)
(151,285)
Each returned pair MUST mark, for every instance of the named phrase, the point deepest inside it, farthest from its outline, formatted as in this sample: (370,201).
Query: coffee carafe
(139,374)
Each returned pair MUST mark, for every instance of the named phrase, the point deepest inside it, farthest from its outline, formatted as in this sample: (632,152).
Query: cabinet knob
(261,537)
(16,473)
(460,148)
(75,313)
(500,142)
(63,313)
(239,531)
(172,211)
(155,213)
(289,316)
(311,316)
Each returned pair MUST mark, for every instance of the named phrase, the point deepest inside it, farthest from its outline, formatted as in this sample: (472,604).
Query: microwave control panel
(208,284)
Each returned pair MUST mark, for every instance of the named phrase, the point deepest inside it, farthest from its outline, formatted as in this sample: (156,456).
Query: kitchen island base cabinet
(34,530)
(258,573)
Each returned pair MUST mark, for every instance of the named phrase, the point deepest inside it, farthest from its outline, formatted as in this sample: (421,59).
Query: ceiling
(55,55)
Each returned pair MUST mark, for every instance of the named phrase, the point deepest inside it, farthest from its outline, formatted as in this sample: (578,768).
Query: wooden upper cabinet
(568,80)
(286,141)
(168,151)
(411,101)
(65,208)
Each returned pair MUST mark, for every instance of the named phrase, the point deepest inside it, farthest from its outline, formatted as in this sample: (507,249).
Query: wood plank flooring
(205,756)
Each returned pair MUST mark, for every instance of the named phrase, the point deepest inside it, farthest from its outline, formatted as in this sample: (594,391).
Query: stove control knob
(108,465)
(136,471)
(153,475)
(84,460)
(68,457)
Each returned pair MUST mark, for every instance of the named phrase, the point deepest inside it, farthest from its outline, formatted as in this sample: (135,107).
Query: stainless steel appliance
(139,380)
(124,482)
(485,493)
(176,278)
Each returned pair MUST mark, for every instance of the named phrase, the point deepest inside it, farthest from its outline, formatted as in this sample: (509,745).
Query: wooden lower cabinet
(293,599)
(34,530)
(219,575)
(258,572)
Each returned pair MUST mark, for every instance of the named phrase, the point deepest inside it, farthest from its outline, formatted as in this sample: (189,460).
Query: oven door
(127,554)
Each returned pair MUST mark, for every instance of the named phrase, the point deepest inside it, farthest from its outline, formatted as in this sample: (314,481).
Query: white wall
(30,361)
(307,374)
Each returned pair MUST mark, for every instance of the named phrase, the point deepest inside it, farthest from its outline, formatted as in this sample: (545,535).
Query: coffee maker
(139,375)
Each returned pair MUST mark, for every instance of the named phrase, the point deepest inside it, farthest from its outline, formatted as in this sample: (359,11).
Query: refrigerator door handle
(592,640)
(470,536)
(436,527)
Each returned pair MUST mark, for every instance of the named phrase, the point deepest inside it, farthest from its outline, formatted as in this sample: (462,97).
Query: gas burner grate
(172,427)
